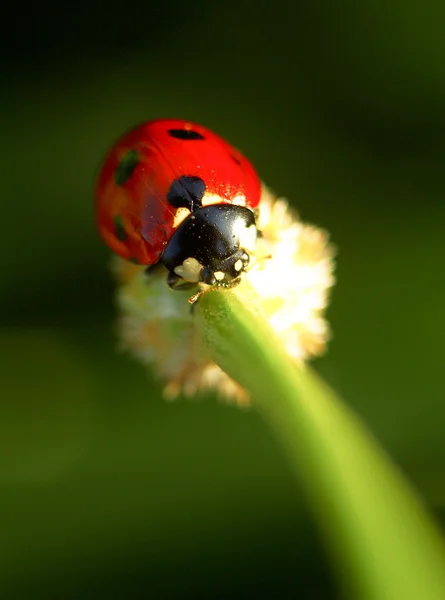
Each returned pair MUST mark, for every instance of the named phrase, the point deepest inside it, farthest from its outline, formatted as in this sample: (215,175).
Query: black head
(211,245)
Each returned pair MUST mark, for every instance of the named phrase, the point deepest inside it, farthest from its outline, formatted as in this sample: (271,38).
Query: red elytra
(136,216)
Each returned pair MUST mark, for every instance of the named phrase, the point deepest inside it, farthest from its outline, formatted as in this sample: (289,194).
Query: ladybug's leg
(177,283)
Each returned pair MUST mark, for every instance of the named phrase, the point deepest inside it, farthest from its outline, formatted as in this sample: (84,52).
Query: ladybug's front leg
(177,283)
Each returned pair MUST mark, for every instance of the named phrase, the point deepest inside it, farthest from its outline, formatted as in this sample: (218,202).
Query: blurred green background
(106,491)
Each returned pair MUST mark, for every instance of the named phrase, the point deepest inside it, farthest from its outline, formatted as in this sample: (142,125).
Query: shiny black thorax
(211,235)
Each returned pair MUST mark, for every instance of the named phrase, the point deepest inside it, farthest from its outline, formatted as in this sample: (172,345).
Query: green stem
(380,538)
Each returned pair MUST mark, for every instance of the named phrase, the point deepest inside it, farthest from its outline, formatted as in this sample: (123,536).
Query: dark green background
(106,491)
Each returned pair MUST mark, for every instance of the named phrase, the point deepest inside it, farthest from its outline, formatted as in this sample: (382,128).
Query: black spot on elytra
(185,134)
(126,166)
(238,162)
(187,191)
(119,228)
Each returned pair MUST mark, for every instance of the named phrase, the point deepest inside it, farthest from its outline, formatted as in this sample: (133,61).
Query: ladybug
(172,192)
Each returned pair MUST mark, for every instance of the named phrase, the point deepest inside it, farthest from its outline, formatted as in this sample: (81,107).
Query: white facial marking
(238,265)
(181,214)
(219,275)
(189,270)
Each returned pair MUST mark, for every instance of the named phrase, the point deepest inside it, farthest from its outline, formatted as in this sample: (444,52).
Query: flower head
(291,272)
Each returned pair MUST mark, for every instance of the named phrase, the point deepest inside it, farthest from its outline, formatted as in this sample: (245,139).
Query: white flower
(292,273)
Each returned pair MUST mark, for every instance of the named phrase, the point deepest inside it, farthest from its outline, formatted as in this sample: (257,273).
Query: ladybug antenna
(193,299)
(216,286)
(257,261)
